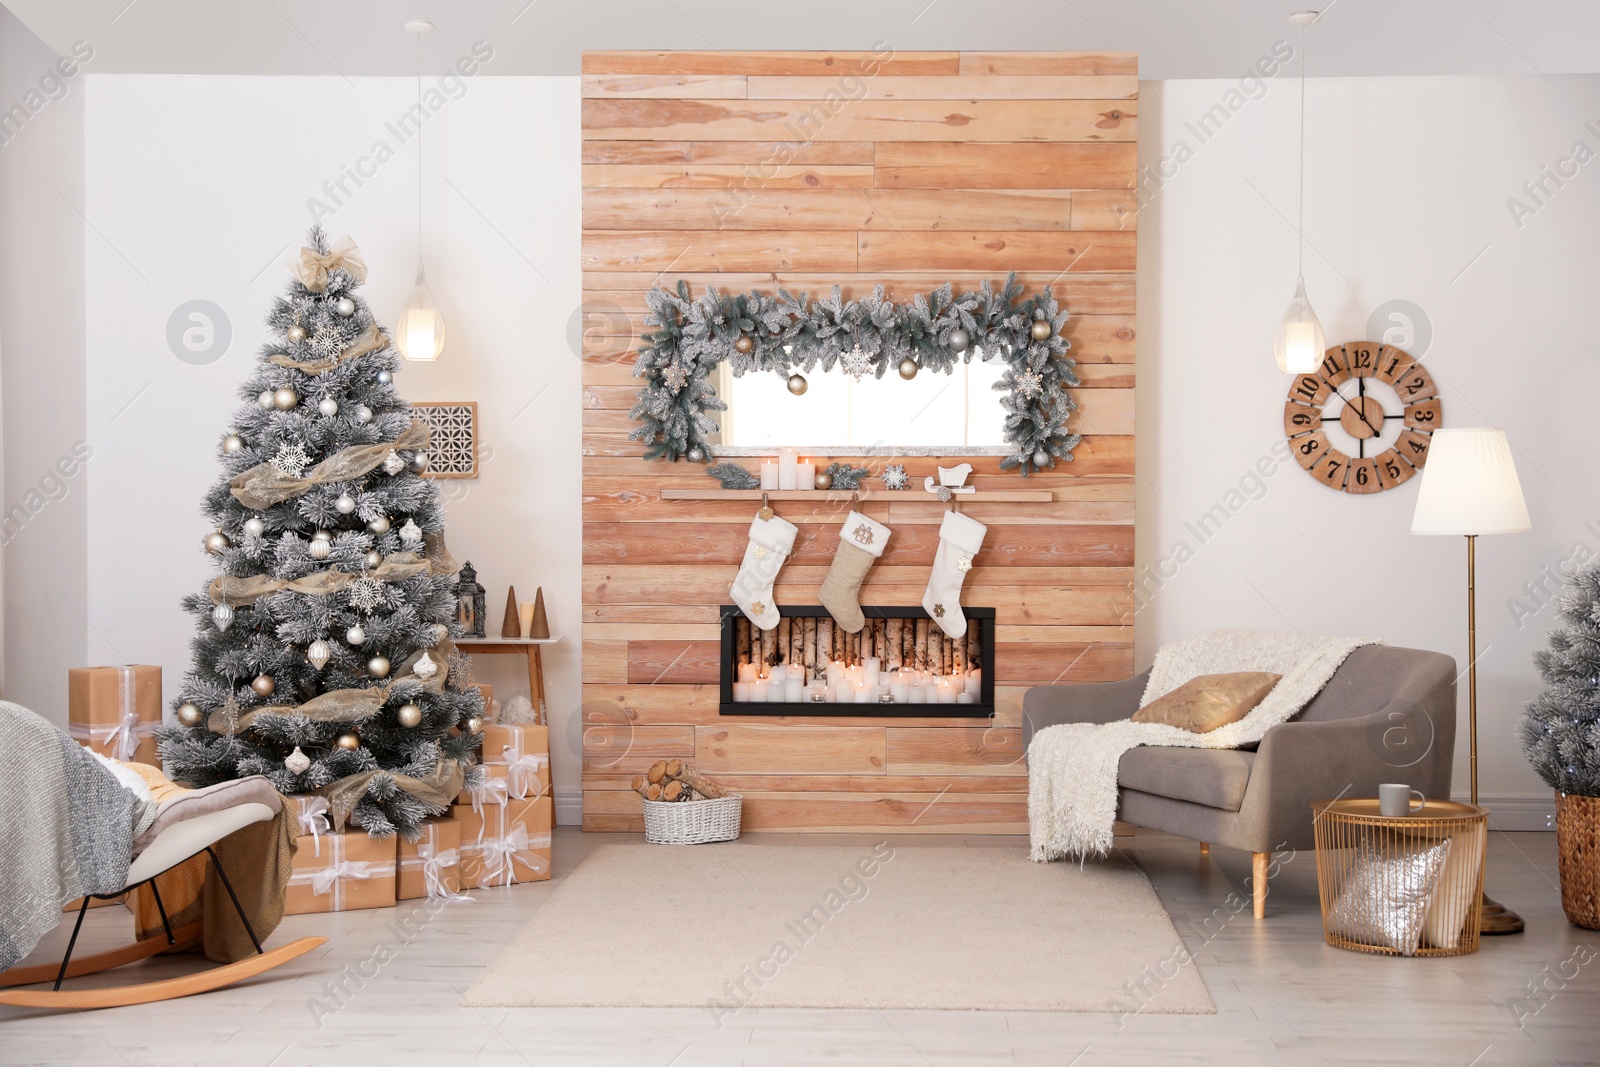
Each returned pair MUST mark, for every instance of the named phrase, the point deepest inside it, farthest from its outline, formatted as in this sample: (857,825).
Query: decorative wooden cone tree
(511,625)
(540,627)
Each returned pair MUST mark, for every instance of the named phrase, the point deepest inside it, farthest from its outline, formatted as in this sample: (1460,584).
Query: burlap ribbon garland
(437,790)
(313,269)
(264,485)
(355,706)
(239,592)
(370,341)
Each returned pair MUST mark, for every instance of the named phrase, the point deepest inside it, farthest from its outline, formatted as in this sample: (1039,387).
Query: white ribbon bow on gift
(313,816)
(124,737)
(434,865)
(332,877)
(500,854)
(482,792)
(521,770)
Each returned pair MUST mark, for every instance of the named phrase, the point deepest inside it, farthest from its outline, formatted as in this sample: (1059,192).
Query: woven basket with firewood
(682,808)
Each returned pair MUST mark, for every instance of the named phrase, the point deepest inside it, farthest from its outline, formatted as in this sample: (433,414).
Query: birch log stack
(754,170)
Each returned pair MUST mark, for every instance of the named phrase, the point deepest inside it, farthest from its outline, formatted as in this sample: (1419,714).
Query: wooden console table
(527,647)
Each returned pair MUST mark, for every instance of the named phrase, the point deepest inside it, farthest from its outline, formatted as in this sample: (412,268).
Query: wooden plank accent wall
(809,169)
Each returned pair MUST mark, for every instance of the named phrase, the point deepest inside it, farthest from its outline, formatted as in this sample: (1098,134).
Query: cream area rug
(743,926)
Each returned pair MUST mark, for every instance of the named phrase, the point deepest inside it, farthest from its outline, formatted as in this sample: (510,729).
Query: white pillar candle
(835,672)
(769,474)
(916,694)
(975,682)
(947,693)
(863,695)
(843,691)
(869,670)
(758,690)
(966,698)
(747,672)
(854,673)
(898,691)
(794,690)
(805,475)
(786,468)
(741,692)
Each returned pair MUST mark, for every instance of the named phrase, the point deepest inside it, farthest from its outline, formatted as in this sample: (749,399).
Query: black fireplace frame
(983,709)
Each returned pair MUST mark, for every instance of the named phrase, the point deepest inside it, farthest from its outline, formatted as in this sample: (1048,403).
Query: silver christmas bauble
(328,406)
(285,399)
(345,504)
(1040,329)
(254,526)
(745,343)
(419,462)
(265,399)
(319,653)
(189,714)
(232,443)
(378,666)
(297,762)
(217,543)
(696,454)
(345,307)
(355,635)
(374,558)
(363,414)
(222,615)
(321,546)
(1041,458)
(379,525)
(960,340)
(474,725)
(295,334)
(908,368)
(263,685)
(409,715)
(385,377)
(798,384)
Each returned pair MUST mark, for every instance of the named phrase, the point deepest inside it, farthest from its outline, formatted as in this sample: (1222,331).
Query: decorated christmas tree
(324,658)
(1561,727)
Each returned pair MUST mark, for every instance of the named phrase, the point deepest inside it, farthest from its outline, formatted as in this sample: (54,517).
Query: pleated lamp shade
(1470,486)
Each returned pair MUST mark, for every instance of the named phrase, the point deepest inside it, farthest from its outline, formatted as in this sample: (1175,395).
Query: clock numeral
(1311,448)
(1393,363)
(1312,390)
(1364,477)
(1299,419)
(1424,414)
(1361,360)
(1335,370)
(1392,469)
(1331,471)
(1415,384)
(1413,446)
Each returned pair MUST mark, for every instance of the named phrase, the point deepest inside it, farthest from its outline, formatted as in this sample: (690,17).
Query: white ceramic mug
(1394,801)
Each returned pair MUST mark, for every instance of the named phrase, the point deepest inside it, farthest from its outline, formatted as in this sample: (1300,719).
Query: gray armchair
(1387,715)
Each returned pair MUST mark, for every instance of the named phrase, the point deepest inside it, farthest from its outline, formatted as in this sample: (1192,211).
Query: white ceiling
(1174,38)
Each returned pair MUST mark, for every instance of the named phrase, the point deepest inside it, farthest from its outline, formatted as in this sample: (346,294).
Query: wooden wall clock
(1370,399)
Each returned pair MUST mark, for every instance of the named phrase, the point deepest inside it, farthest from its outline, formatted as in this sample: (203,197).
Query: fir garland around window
(782,334)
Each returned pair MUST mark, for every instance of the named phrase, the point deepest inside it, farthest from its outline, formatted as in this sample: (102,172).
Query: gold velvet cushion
(1202,704)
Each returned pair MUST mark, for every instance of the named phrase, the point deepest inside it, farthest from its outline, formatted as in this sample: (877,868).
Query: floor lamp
(1470,488)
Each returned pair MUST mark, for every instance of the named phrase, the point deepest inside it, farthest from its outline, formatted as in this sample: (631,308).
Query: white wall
(41,368)
(200,187)
(1407,187)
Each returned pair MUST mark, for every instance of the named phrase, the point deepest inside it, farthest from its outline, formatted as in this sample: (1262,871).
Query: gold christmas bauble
(798,384)
(908,368)
(409,715)
(189,714)
(217,543)
(295,334)
(232,443)
(744,343)
(1041,330)
(824,480)
(474,725)
(349,741)
(265,399)
(264,686)
(378,666)
(285,399)
(374,557)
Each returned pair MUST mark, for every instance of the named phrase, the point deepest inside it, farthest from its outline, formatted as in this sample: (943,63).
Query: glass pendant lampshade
(1299,343)
(420,331)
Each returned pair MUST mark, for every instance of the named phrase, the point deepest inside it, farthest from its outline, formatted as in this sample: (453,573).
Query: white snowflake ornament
(366,594)
(894,477)
(326,343)
(291,460)
(411,534)
(857,363)
(392,463)
(1029,384)
(674,377)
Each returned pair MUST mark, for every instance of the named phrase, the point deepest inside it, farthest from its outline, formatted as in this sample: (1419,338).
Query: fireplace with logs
(899,664)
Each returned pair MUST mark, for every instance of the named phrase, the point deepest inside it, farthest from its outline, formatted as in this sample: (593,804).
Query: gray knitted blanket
(66,828)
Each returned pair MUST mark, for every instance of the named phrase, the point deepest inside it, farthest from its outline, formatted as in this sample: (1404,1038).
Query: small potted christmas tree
(1560,732)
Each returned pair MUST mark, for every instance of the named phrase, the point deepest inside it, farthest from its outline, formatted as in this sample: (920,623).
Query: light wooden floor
(1283,996)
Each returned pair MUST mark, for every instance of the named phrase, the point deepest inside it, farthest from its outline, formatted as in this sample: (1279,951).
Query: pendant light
(419,333)
(1299,343)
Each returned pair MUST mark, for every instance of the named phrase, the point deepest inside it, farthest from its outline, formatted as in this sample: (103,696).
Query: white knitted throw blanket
(1072,767)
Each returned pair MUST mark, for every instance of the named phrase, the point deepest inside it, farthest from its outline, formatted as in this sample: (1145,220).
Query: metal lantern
(469,601)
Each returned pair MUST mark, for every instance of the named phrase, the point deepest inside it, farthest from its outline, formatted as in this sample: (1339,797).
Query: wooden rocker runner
(172,846)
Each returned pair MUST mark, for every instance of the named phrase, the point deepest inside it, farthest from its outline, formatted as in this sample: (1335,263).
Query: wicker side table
(1406,886)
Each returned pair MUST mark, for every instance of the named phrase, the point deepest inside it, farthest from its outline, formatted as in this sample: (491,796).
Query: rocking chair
(179,842)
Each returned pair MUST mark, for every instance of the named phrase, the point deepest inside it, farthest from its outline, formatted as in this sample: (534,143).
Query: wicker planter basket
(692,822)
(1578,842)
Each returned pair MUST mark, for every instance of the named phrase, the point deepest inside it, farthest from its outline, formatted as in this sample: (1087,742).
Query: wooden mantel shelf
(905,496)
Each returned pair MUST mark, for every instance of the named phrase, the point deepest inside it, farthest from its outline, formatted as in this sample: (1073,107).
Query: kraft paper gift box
(430,866)
(341,872)
(523,754)
(312,818)
(505,844)
(115,710)
(492,788)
